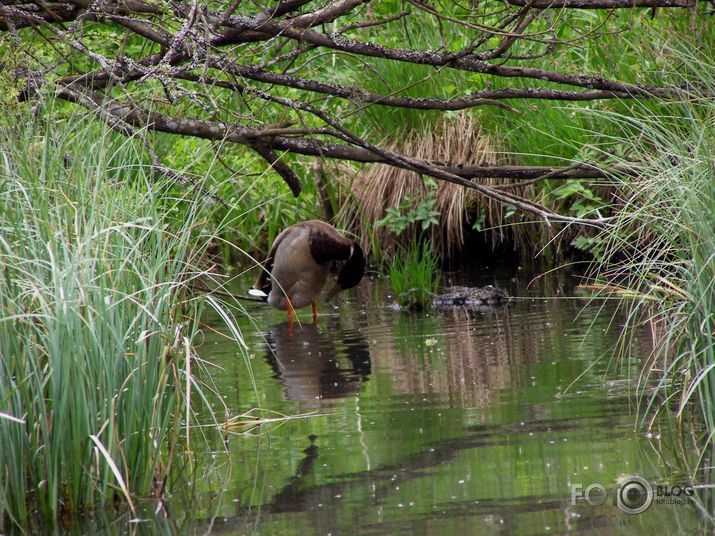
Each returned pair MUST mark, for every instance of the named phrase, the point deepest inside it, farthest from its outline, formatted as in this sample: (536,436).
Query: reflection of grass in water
(418,335)
(250,420)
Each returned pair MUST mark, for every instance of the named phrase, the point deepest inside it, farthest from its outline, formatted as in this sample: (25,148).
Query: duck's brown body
(303,255)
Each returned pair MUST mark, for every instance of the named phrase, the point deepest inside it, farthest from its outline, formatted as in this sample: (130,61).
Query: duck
(307,260)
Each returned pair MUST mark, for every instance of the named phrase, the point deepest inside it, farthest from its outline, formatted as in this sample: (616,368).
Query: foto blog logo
(633,494)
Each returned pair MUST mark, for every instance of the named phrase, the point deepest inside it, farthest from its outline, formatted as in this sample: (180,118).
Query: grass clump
(414,276)
(381,188)
(96,327)
(660,252)
(414,269)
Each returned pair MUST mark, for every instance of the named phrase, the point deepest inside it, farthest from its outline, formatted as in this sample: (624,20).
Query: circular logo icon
(634,494)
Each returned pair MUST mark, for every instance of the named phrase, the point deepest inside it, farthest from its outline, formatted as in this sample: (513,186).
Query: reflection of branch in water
(299,496)
(292,497)
(307,362)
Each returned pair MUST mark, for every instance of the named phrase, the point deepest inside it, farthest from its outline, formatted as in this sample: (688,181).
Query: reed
(660,252)
(97,366)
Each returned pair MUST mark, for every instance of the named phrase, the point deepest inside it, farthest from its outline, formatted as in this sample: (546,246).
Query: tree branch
(219,131)
(469,63)
(603,4)
(212,45)
(52,12)
(280,167)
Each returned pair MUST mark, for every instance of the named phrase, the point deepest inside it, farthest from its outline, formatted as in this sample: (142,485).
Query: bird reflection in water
(313,365)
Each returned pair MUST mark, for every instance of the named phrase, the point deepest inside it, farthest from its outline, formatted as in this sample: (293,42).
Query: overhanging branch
(603,4)
(360,151)
(197,52)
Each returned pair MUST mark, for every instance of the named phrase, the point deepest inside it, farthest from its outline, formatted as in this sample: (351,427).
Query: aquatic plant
(97,365)
(413,269)
(414,275)
(660,251)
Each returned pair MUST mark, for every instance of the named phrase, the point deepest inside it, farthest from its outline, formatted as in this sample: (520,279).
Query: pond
(439,422)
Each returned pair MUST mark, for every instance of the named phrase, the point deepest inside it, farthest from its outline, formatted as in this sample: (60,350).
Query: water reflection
(463,483)
(469,422)
(314,362)
(439,423)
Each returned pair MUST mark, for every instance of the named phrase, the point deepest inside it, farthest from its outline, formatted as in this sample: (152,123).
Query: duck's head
(347,273)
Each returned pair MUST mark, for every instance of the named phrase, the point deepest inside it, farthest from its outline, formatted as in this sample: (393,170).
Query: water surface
(438,422)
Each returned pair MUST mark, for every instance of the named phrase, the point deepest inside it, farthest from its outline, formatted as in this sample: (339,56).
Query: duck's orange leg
(315,311)
(291,317)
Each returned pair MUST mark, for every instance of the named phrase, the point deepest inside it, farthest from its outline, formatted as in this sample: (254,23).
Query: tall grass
(97,386)
(414,276)
(660,252)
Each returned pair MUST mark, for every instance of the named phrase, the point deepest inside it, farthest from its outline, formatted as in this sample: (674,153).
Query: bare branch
(286,6)
(373,23)
(469,63)
(329,13)
(476,98)
(280,167)
(67,11)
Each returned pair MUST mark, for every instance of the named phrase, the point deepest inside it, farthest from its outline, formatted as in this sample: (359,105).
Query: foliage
(581,200)
(335,83)
(539,133)
(412,210)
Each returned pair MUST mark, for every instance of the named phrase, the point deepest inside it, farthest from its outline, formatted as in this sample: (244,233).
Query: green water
(441,422)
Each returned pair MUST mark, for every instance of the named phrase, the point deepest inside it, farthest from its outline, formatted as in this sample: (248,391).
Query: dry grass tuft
(457,140)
